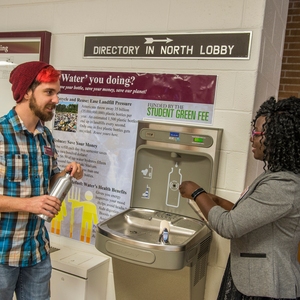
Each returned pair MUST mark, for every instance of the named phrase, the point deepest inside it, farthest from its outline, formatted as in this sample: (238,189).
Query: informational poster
(96,125)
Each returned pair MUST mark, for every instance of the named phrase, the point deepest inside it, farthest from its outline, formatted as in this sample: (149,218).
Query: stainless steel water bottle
(59,190)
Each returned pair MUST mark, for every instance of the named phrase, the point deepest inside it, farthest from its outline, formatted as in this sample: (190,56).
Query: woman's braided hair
(282,134)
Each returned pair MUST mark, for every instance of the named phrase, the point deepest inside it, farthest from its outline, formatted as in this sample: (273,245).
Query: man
(28,169)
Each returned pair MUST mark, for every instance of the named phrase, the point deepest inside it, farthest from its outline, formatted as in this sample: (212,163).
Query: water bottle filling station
(161,235)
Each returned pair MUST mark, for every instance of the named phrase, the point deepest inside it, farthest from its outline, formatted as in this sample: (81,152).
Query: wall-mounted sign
(220,45)
(20,47)
(26,42)
(17,48)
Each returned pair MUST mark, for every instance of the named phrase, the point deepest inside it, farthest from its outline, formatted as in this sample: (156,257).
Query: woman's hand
(187,188)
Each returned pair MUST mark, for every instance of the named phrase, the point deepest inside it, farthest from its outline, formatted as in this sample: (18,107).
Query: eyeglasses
(256,133)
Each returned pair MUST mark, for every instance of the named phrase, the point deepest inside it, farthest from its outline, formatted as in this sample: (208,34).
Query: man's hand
(46,205)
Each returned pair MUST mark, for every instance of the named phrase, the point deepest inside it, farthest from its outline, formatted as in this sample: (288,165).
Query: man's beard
(43,116)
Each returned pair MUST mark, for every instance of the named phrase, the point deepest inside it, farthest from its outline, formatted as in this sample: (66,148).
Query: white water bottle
(60,191)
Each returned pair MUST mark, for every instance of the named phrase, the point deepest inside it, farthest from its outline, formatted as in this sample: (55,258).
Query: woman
(264,224)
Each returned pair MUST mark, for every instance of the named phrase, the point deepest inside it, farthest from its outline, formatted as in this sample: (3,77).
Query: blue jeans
(29,283)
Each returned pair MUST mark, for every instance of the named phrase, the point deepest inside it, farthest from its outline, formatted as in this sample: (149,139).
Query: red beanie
(22,76)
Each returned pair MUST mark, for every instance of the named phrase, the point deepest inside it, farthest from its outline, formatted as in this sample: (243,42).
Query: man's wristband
(197,193)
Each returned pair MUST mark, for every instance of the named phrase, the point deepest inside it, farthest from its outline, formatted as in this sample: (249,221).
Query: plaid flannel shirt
(25,171)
